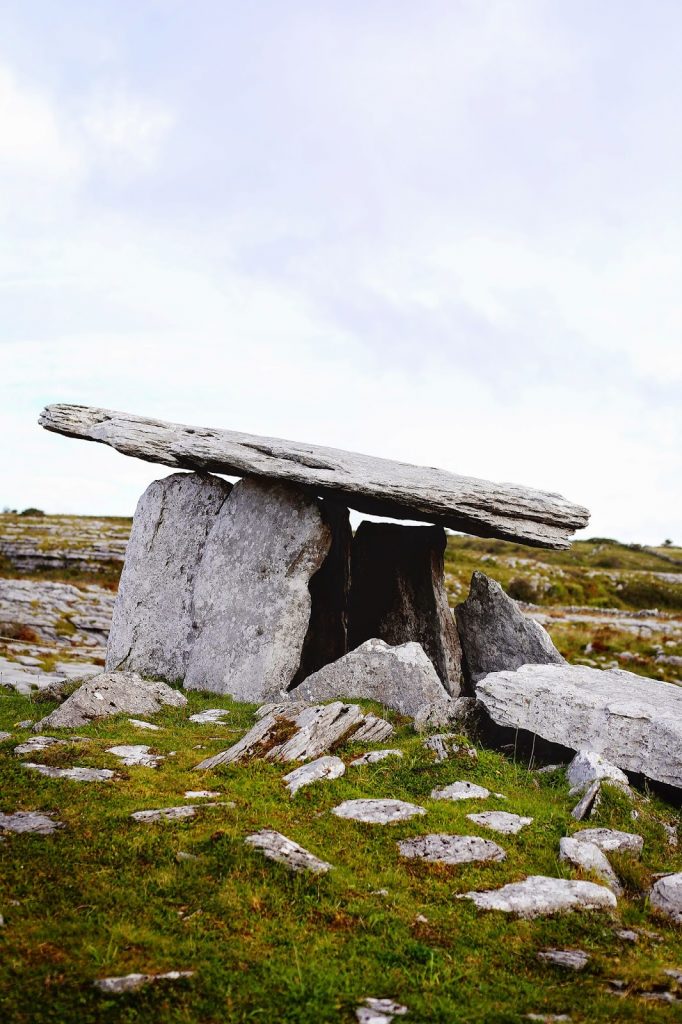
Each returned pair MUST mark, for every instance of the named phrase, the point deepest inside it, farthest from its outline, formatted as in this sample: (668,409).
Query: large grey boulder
(152,625)
(252,602)
(496,635)
(633,722)
(398,594)
(368,484)
(401,678)
(111,693)
(538,895)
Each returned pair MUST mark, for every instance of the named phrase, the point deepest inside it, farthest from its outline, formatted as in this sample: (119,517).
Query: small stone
(611,840)
(548,1018)
(36,744)
(588,857)
(538,895)
(588,802)
(420,919)
(670,832)
(379,1011)
(673,973)
(183,855)
(548,768)
(136,755)
(378,812)
(587,767)
(440,848)
(460,791)
(445,745)
(374,756)
(501,821)
(213,716)
(165,813)
(139,724)
(277,847)
(74,774)
(575,959)
(666,897)
(627,935)
(201,794)
(29,821)
(323,768)
(133,982)
(25,724)
(5,736)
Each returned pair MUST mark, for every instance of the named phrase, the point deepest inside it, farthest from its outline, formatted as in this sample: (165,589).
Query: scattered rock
(627,935)
(496,635)
(446,745)
(136,755)
(183,855)
(213,716)
(322,768)
(549,768)
(401,678)
(538,895)
(610,840)
(36,744)
(589,857)
(501,821)
(445,712)
(377,812)
(277,847)
(671,833)
(111,693)
(666,897)
(74,774)
(374,756)
(441,848)
(5,736)
(589,802)
(33,822)
(548,1018)
(201,794)
(166,813)
(139,724)
(379,1011)
(588,767)
(574,959)
(25,724)
(133,982)
(461,791)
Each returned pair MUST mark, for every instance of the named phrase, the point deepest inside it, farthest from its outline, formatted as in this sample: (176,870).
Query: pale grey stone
(538,895)
(35,744)
(501,821)
(133,982)
(372,730)
(401,677)
(627,935)
(587,856)
(575,959)
(252,602)
(460,791)
(165,813)
(398,594)
(277,847)
(322,768)
(377,812)
(666,897)
(445,712)
(136,754)
(140,724)
(77,774)
(213,716)
(374,756)
(368,484)
(441,848)
(152,628)
(446,745)
(589,801)
(610,840)
(548,1018)
(5,736)
(34,822)
(496,635)
(111,693)
(634,723)
(379,1011)
(587,767)
(201,794)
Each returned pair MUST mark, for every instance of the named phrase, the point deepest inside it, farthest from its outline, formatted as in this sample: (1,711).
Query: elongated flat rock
(111,693)
(365,483)
(327,767)
(77,774)
(173,813)
(501,821)
(461,791)
(538,895)
(285,851)
(610,840)
(132,982)
(588,857)
(574,959)
(374,756)
(32,822)
(441,848)
(377,812)
(132,754)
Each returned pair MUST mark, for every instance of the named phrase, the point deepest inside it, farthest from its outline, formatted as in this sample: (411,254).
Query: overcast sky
(445,232)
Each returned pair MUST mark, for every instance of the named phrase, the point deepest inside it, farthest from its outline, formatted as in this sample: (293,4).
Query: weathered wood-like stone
(634,723)
(252,602)
(401,678)
(538,895)
(111,693)
(152,626)
(398,594)
(446,745)
(285,851)
(441,848)
(495,635)
(367,484)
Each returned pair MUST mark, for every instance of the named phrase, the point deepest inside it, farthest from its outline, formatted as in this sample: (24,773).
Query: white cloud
(125,128)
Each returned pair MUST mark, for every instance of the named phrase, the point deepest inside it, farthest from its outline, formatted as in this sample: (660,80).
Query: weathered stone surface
(501,821)
(201,794)
(461,791)
(322,768)
(285,851)
(34,822)
(140,724)
(152,628)
(495,634)
(610,840)
(300,732)
(374,756)
(588,857)
(111,693)
(446,745)
(133,982)
(173,813)
(213,716)
(398,594)
(634,723)
(587,767)
(77,774)
(666,897)
(5,736)
(401,678)
(574,959)
(446,712)
(377,812)
(36,744)
(379,1011)
(252,602)
(368,484)
(538,895)
(132,754)
(589,801)
(441,848)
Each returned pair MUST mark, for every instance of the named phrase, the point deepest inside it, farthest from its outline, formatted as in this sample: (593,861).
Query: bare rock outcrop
(111,693)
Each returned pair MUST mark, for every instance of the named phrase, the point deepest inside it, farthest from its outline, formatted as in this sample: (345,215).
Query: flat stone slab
(633,722)
(140,724)
(446,745)
(538,895)
(588,767)
(285,851)
(77,774)
(368,484)
(610,840)
(379,1011)
(111,693)
(588,857)
(132,982)
(666,897)
(501,821)
(573,959)
(461,791)
(440,848)
(36,744)
(32,822)
(136,754)
(201,794)
(322,768)
(171,813)
(374,756)
(212,716)
(377,812)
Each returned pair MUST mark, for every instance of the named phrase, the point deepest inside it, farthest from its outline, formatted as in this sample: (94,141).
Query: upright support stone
(398,594)
(152,630)
(252,600)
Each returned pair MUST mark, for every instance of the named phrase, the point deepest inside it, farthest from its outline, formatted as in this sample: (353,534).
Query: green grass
(106,896)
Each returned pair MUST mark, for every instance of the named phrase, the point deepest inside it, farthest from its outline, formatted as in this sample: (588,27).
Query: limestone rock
(375,486)
(440,848)
(379,1011)
(252,602)
(634,723)
(152,627)
(200,794)
(36,744)
(587,767)
(77,774)
(34,822)
(377,812)
(398,594)
(285,851)
(589,801)
(588,857)
(538,895)
(372,730)
(213,716)
(136,754)
(495,634)
(574,959)
(111,693)
(140,724)
(132,982)
(461,791)
(610,840)
(401,678)
(374,756)
(501,821)
(173,813)
(666,897)
(447,745)
(5,736)
(446,712)
(322,768)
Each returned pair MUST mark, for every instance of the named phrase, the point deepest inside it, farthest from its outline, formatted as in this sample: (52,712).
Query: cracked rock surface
(538,895)
(441,848)
(322,768)
(377,812)
(285,851)
(111,693)
(501,821)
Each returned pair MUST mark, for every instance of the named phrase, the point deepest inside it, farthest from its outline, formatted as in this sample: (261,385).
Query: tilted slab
(538,895)
(365,483)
